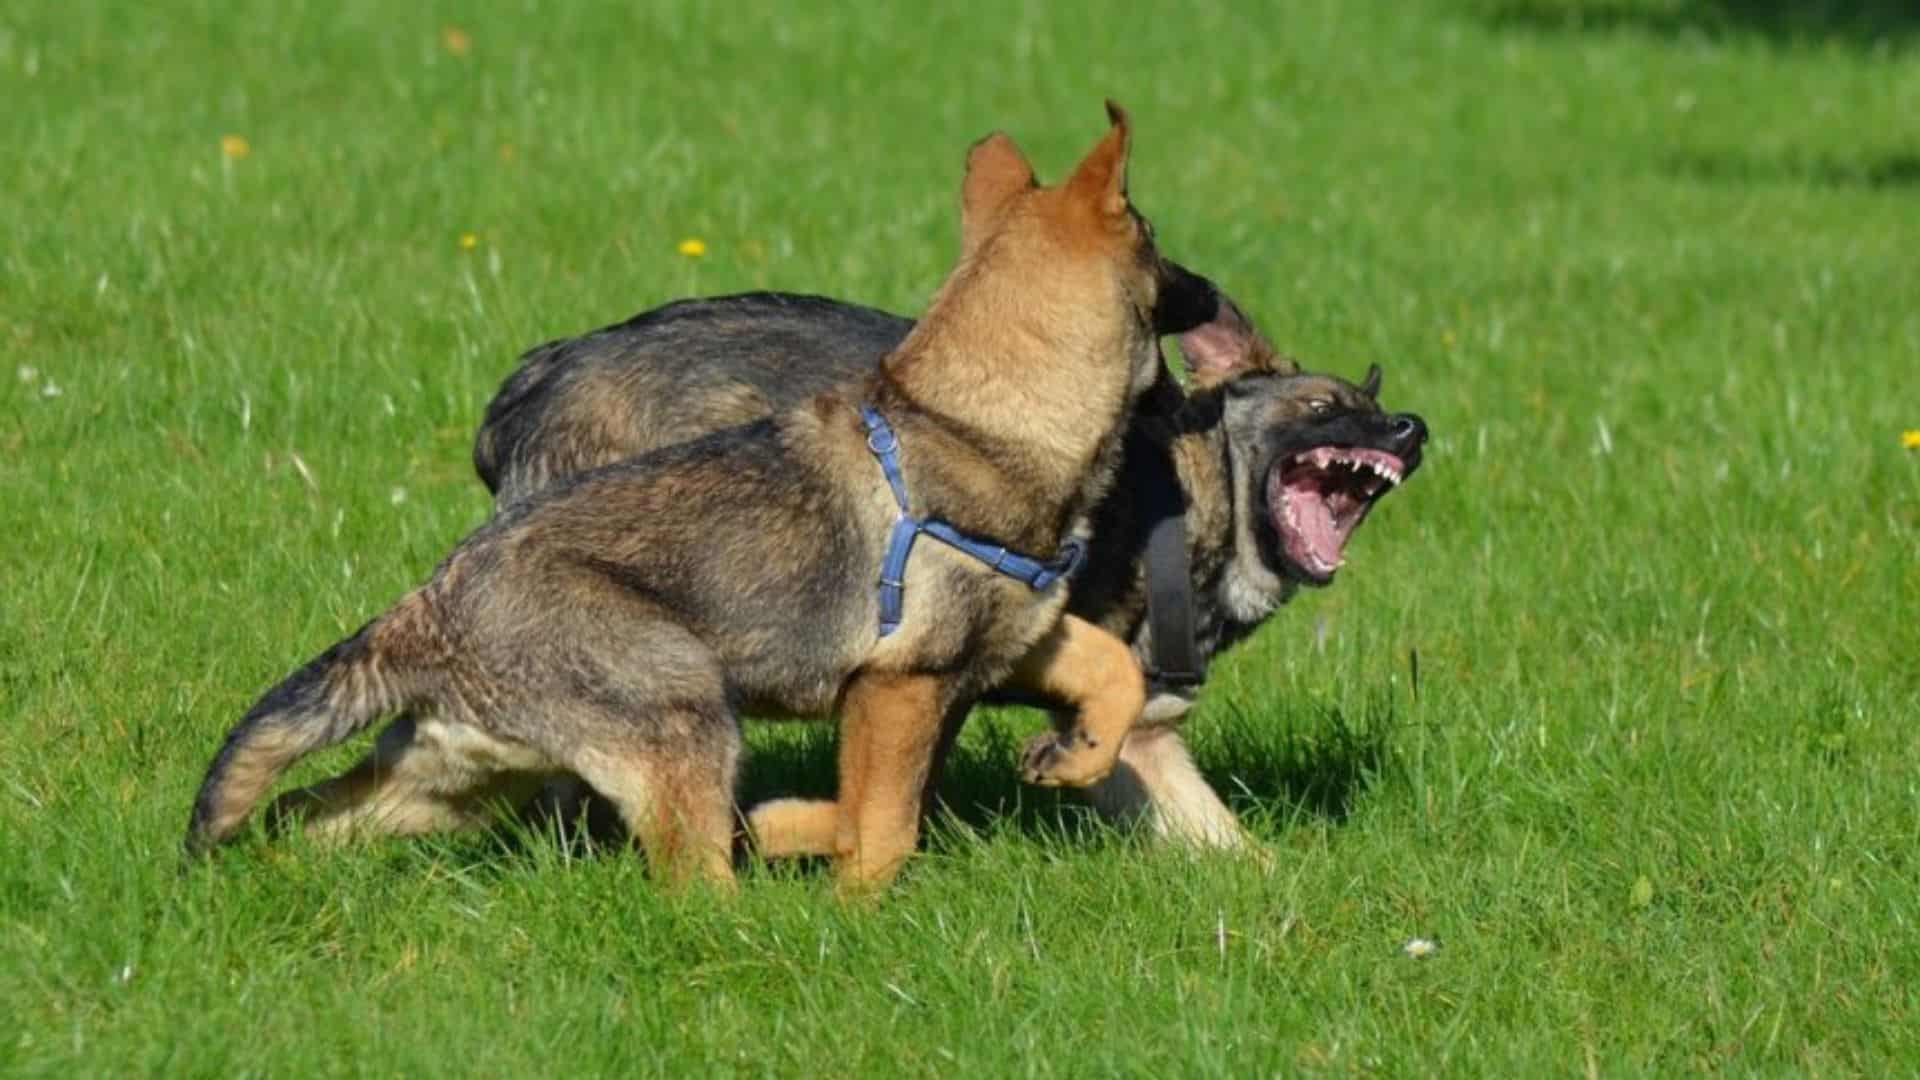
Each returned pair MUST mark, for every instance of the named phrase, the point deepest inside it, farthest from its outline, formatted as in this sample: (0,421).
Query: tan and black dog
(1262,471)
(615,624)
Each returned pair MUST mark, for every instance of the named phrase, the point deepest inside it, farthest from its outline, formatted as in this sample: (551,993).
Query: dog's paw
(1066,759)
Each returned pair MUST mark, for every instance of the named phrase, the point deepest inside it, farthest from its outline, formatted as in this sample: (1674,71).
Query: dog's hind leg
(786,828)
(676,798)
(420,777)
(1083,665)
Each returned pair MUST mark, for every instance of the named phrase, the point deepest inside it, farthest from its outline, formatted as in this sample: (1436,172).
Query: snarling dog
(610,625)
(1234,491)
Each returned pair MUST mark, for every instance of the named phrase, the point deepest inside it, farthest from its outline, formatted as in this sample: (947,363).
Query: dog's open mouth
(1317,497)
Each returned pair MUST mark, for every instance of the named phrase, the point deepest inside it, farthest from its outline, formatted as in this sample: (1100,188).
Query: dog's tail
(334,697)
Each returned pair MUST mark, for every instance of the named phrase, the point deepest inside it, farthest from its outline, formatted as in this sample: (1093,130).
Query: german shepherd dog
(614,625)
(1269,468)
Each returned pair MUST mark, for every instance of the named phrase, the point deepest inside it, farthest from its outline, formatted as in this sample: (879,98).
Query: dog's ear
(1228,347)
(1100,181)
(1185,300)
(1372,385)
(996,172)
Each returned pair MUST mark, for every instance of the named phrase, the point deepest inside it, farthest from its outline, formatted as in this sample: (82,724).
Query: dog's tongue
(1305,523)
(1317,531)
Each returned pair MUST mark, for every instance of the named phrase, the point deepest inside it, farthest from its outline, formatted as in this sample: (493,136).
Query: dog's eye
(1319,406)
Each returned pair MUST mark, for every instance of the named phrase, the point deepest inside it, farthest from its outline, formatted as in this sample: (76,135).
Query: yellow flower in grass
(693,247)
(1910,439)
(469,241)
(235,147)
(455,40)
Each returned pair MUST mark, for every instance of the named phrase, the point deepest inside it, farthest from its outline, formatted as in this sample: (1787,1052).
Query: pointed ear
(1229,347)
(1100,181)
(996,172)
(1372,385)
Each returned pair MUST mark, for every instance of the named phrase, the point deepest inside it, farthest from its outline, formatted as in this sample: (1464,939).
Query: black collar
(1176,660)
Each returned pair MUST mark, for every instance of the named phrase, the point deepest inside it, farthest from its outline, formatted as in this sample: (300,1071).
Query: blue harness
(1029,571)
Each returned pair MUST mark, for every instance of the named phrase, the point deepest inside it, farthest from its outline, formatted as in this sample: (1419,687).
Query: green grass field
(1650,268)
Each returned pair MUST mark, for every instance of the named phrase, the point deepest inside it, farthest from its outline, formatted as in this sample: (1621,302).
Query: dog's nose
(1408,430)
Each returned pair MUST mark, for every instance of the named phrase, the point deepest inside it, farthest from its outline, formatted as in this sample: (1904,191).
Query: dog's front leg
(892,730)
(1158,783)
(792,827)
(1095,672)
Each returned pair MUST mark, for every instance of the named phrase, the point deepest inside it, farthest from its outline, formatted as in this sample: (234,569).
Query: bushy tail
(330,700)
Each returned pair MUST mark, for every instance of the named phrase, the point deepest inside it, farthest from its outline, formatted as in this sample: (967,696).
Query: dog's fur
(610,625)
(691,367)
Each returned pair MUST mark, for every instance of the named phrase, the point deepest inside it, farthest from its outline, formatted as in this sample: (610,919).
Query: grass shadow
(1862,23)
(1892,171)
(1319,765)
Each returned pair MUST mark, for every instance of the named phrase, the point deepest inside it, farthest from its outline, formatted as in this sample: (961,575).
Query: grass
(1646,266)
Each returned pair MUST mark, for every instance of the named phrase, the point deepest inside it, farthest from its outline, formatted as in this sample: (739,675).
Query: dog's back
(669,375)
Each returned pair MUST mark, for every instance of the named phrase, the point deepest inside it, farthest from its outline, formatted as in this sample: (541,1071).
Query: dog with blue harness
(616,625)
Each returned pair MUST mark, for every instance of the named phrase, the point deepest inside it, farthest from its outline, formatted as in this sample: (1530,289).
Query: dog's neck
(1188,426)
(1010,412)
(1194,432)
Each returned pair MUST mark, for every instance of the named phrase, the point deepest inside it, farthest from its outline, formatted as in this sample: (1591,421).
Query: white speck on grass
(300,467)
(27,372)
(50,390)
(397,496)
(1605,436)
(386,402)
(1418,948)
(100,286)
(124,975)
(246,412)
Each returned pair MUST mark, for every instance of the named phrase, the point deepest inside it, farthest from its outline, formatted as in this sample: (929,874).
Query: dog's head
(1087,244)
(1312,453)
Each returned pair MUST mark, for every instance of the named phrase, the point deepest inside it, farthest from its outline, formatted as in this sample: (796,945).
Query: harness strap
(1035,573)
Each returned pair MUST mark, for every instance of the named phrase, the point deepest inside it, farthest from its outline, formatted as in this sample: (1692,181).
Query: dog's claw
(1064,759)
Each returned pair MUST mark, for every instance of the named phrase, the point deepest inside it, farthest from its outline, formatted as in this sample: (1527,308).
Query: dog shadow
(1861,23)
(1311,762)
(1866,171)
